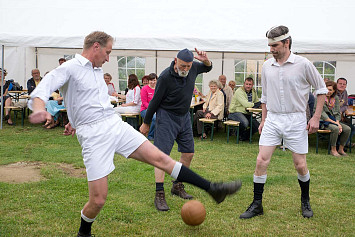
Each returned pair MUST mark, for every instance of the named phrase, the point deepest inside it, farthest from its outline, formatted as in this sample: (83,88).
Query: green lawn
(52,207)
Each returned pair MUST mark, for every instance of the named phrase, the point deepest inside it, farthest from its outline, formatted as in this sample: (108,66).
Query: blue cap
(185,55)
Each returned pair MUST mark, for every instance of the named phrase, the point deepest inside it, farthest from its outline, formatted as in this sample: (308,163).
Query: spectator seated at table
(6,97)
(227,91)
(133,97)
(344,105)
(53,107)
(232,85)
(145,81)
(110,85)
(34,81)
(61,61)
(213,108)
(244,97)
(330,119)
(147,93)
(310,106)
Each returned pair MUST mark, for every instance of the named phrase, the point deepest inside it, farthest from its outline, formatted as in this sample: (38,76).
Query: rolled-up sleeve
(315,79)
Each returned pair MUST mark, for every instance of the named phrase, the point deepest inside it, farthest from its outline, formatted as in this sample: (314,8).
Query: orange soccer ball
(193,213)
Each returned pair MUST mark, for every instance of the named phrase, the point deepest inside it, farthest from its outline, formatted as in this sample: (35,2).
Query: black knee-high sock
(85,227)
(159,187)
(304,189)
(188,176)
(258,191)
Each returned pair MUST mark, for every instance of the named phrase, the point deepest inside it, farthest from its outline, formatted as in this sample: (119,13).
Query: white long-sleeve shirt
(84,91)
(286,86)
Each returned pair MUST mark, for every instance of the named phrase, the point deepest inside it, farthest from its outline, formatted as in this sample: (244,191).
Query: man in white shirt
(286,81)
(100,132)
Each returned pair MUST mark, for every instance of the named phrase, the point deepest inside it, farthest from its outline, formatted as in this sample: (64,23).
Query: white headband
(279,38)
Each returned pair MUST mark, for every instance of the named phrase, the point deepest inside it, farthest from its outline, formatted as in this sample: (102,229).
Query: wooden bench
(209,122)
(16,110)
(230,125)
(132,119)
(323,131)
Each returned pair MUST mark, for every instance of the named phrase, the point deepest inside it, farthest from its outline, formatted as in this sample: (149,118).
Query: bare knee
(98,202)
(301,167)
(262,163)
(262,160)
(8,101)
(300,163)
(186,158)
(163,162)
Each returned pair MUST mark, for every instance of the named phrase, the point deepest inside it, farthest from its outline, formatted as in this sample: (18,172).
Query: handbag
(325,124)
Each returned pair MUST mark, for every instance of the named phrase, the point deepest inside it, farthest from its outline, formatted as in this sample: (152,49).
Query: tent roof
(234,26)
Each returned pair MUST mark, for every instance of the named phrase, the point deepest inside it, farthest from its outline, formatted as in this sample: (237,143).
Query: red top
(146,96)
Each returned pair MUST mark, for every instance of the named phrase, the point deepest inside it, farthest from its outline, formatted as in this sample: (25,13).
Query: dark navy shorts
(169,128)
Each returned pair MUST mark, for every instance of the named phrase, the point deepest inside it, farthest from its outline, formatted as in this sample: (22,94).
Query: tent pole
(222,63)
(156,61)
(2,84)
(36,52)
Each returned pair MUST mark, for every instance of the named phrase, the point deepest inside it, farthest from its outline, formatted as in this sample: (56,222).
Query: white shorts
(100,141)
(291,127)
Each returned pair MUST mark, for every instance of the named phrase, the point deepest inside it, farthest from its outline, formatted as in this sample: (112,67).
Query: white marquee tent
(227,25)
(322,27)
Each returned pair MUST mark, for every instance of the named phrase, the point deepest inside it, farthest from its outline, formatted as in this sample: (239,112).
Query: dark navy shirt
(172,92)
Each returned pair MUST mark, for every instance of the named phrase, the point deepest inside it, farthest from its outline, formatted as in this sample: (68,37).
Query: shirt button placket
(282,92)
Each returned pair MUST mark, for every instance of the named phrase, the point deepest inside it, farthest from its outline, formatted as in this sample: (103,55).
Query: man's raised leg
(150,154)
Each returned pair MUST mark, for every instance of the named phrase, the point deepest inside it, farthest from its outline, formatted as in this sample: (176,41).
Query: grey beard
(182,73)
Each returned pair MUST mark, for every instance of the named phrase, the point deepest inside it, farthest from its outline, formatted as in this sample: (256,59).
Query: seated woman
(110,86)
(147,93)
(53,107)
(133,97)
(145,81)
(212,108)
(331,119)
(6,98)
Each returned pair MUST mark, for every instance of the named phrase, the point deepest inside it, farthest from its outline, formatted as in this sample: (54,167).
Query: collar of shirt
(291,59)
(84,61)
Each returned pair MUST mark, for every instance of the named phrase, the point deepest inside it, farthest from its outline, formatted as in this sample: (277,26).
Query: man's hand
(40,117)
(144,129)
(69,130)
(202,56)
(208,116)
(261,127)
(313,125)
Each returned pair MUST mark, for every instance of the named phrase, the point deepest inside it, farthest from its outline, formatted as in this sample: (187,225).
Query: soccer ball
(193,213)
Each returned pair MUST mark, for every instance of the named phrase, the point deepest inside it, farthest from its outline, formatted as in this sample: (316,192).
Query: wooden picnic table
(351,114)
(192,106)
(18,94)
(118,102)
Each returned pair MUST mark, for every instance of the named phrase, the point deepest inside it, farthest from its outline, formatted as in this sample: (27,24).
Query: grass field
(52,207)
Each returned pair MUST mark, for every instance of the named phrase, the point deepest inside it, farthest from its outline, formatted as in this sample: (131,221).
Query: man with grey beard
(171,103)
